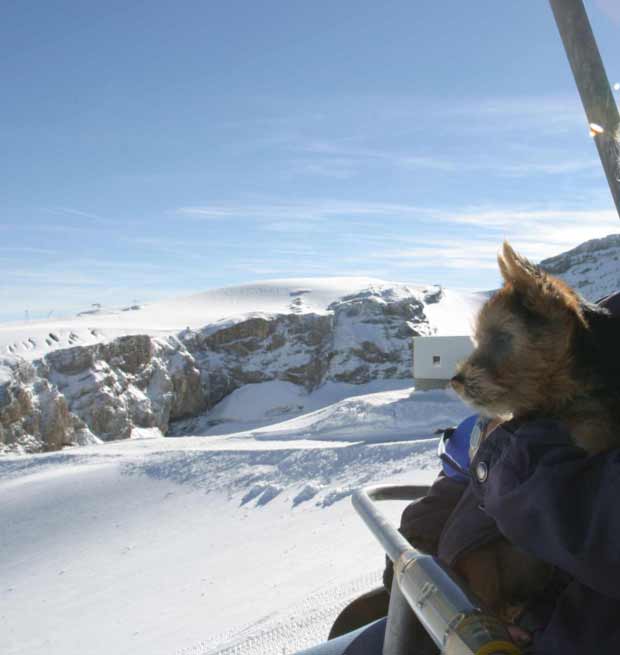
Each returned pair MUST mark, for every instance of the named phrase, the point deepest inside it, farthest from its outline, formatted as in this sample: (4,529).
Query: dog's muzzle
(458,383)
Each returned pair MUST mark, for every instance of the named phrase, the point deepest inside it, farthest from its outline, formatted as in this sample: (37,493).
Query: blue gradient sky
(157,148)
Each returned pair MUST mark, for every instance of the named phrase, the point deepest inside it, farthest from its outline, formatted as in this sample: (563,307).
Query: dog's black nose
(459,378)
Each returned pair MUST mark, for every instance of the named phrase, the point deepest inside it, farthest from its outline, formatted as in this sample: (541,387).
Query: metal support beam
(401,623)
(594,89)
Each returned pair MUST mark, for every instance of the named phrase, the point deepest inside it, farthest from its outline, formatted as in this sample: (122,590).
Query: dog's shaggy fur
(541,351)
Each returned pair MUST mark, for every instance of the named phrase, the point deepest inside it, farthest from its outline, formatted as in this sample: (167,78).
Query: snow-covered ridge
(33,339)
(150,367)
(592,268)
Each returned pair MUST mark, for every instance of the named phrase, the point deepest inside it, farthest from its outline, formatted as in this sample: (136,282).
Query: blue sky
(151,149)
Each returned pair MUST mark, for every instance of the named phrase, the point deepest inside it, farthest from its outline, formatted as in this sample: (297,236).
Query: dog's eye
(500,343)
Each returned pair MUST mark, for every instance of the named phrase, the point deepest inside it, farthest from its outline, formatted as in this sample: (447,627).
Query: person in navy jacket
(548,497)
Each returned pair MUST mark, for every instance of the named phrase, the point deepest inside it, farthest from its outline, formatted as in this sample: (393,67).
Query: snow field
(381,410)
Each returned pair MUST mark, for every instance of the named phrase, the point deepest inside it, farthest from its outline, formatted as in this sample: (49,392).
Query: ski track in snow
(300,627)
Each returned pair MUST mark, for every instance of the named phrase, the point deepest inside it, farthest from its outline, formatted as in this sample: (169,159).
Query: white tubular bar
(451,615)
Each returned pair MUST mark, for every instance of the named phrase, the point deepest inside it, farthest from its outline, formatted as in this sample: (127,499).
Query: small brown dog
(541,351)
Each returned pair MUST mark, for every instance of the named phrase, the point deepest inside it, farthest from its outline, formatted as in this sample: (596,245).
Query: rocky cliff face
(35,416)
(103,391)
(134,381)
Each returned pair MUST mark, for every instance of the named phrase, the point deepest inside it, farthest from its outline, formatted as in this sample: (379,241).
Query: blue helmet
(453,449)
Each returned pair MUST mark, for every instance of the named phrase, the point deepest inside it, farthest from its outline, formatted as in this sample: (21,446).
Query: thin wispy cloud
(312,209)
(544,116)
(180,250)
(358,155)
(412,241)
(430,129)
(338,168)
(56,227)
(557,167)
(70,211)
(497,217)
(535,239)
(544,163)
(611,8)
(528,218)
(448,253)
(21,250)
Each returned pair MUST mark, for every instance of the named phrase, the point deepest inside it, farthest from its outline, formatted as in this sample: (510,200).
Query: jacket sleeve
(422,521)
(554,500)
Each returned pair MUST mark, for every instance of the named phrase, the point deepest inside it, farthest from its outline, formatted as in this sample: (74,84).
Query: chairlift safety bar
(451,615)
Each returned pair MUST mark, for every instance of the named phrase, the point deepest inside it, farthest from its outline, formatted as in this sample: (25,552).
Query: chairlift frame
(593,86)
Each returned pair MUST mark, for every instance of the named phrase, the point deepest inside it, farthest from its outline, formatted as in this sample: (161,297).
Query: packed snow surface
(243,543)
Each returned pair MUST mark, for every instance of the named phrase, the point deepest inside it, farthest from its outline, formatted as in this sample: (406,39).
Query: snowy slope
(593,268)
(388,410)
(194,545)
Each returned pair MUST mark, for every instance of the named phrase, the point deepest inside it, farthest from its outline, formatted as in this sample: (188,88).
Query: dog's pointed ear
(539,291)
(517,270)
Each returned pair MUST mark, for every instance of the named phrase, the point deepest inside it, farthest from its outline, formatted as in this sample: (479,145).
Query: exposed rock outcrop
(291,347)
(134,381)
(34,415)
(372,335)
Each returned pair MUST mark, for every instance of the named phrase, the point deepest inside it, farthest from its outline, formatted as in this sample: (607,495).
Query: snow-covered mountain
(104,376)
(165,366)
(593,268)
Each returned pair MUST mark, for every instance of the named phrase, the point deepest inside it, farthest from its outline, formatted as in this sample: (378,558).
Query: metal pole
(401,623)
(451,615)
(596,94)
(393,542)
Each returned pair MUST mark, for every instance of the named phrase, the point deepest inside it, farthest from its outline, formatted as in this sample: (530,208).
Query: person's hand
(520,636)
